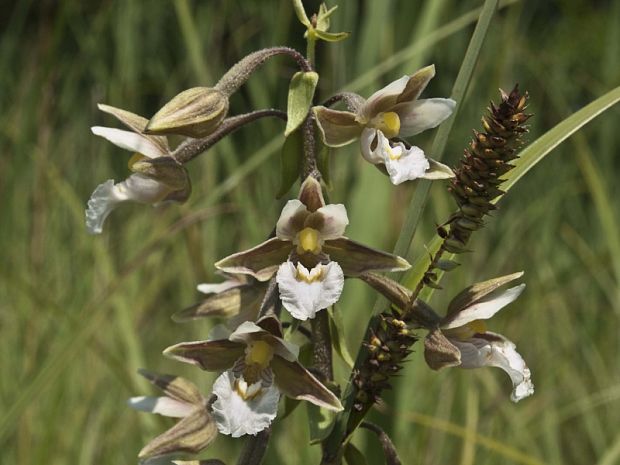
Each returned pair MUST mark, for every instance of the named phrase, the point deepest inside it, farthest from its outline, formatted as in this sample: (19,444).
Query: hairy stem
(240,72)
(191,148)
(321,338)
(309,166)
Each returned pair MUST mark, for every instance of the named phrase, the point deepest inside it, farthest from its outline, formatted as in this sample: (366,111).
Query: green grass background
(79,314)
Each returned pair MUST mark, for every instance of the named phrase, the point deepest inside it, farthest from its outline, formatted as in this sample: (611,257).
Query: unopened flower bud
(195,112)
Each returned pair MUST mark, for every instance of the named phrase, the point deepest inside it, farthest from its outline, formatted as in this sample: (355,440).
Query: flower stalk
(191,148)
(236,76)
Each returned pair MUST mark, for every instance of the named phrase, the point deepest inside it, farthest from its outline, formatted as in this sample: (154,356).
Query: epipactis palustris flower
(392,112)
(461,338)
(156,177)
(310,254)
(182,399)
(259,365)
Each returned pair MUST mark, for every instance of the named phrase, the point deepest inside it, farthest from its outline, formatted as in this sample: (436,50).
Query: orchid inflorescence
(301,267)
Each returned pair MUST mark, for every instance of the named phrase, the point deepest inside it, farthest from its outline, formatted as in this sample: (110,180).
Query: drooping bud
(195,112)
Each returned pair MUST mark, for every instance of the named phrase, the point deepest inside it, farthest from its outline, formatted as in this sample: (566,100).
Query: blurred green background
(79,314)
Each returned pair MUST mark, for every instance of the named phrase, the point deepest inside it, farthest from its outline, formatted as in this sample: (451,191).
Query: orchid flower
(392,112)
(156,177)
(462,339)
(259,365)
(182,399)
(310,254)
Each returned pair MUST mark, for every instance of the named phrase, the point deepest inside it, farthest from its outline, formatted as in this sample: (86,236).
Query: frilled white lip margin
(304,292)
(235,416)
(402,164)
(492,349)
(108,195)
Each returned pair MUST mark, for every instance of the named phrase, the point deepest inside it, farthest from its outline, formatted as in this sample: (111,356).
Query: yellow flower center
(259,353)
(316,274)
(308,241)
(467,331)
(388,123)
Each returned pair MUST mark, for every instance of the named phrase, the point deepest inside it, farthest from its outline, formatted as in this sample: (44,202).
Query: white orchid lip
(241,409)
(304,292)
(108,195)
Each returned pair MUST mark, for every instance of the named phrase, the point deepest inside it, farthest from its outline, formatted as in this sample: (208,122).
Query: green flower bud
(195,112)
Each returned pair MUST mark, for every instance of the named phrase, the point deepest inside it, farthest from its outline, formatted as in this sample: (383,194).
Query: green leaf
(300,95)
(331,36)
(290,162)
(320,422)
(289,407)
(354,456)
(336,328)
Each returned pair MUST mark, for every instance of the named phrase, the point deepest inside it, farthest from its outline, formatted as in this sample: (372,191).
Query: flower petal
(437,171)
(472,294)
(337,128)
(108,195)
(439,352)
(366,140)
(291,220)
(483,309)
(261,261)
(417,83)
(235,416)
(402,164)
(421,115)
(192,434)
(161,405)
(335,221)
(491,349)
(136,123)
(311,194)
(298,383)
(384,99)
(216,288)
(356,258)
(103,200)
(302,299)
(209,355)
(130,141)
(175,387)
